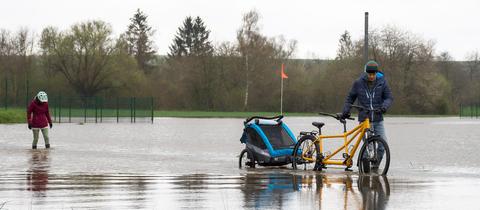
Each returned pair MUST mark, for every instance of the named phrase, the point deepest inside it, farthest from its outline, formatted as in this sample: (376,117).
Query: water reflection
(37,175)
(315,190)
(270,190)
(375,191)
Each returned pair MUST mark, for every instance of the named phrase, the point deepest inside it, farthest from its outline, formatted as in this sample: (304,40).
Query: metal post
(60,109)
(70,111)
(365,50)
(95,106)
(55,110)
(6,92)
(117,109)
(85,110)
(134,110)
(131,110)
(101,109)
(281,91)
(152,109)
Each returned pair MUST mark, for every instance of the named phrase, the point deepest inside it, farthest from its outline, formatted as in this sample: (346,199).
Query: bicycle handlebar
(336,116)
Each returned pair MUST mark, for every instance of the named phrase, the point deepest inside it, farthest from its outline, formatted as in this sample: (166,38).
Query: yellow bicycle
(374,155)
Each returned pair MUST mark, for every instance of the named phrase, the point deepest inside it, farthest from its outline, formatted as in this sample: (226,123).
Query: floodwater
(180,163)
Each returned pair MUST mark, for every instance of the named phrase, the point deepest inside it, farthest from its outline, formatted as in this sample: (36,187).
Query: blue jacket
(379,97)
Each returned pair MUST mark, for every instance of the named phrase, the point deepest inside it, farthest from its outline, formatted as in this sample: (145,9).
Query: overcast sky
(316,25)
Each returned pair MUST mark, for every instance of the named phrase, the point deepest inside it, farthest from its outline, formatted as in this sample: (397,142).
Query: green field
(211,114)
(17,115)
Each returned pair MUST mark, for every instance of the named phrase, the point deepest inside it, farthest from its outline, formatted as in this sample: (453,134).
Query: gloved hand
(345,115)
(383,110)
(50,125)
(29,126)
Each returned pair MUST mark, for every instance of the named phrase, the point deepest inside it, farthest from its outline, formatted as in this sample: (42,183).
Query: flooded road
(192,163)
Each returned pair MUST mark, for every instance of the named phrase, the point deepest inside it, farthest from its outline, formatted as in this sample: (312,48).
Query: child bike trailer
(268,142)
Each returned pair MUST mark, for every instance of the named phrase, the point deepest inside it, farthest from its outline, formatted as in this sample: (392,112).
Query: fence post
(6,92)
(55,110)
(134,110)
(101,109)
(70,111)
(85,110)
(60,109)
(95,106)
(117,109)
(131,110)
(152,109)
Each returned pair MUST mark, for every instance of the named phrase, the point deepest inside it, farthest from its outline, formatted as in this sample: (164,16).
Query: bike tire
(246,159)
(312,147)
(364,165)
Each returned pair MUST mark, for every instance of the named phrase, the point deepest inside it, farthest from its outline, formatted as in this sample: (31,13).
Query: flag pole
(281,92)
(281,95)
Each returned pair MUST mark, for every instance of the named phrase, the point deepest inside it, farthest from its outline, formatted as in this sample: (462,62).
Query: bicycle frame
(360,129)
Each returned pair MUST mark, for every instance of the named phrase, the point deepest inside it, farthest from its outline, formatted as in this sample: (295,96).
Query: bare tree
(82,54)
(473,63)
(247,36)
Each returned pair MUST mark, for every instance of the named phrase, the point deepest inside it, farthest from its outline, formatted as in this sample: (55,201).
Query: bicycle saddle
(319,125)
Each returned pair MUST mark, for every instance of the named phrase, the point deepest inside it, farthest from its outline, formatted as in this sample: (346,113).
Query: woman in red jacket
(41,118)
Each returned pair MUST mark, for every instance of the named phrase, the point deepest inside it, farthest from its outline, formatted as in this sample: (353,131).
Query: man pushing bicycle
(372,91)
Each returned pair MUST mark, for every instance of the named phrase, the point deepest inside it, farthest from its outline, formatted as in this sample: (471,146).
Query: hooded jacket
(378,97)
(41,115)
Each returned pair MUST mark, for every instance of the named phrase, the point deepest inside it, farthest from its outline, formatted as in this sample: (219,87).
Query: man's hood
(378,80)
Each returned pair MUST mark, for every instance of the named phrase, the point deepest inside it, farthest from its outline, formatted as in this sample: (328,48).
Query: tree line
(242,75)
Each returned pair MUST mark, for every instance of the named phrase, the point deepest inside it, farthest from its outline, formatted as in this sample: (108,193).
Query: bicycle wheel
(306,153)
(374,157)
(246,159)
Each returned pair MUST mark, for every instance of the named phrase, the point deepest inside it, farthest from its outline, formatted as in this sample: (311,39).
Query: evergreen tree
(201,43)
(192,39)
(139,42)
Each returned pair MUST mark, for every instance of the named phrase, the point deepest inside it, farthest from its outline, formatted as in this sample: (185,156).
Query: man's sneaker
(34,146)
(47,146)
(317,167)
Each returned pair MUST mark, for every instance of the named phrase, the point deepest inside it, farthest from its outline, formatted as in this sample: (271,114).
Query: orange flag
(284,76)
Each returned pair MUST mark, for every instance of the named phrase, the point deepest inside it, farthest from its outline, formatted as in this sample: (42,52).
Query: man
(372,91)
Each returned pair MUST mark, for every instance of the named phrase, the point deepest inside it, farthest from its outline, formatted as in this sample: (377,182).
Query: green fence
(98,109)
(470,110)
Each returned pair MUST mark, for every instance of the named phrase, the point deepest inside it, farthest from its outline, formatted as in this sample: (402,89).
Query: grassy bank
(212,114)
(12,116)
(17,115)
